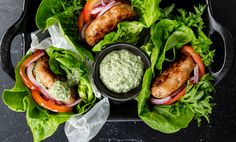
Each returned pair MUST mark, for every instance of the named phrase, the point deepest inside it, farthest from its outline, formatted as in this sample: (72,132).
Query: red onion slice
(35,58)
(196,74)
(74,103)
(96,10)
(83,30)
(107,7)
(156,101)
(103,2)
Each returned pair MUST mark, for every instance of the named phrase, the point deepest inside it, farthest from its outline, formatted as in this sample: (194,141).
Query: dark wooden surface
(13,126)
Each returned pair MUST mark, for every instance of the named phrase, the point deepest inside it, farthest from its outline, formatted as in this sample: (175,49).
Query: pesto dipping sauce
(121,71)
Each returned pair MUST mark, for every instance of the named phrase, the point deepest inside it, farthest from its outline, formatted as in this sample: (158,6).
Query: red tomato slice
(23,75)
(81,21)
(87,9)
(49,104)
(197,59)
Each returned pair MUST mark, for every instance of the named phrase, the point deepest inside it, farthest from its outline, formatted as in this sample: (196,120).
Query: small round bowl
(121,97)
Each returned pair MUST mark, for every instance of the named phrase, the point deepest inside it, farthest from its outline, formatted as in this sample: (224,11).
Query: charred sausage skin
(173,77)
(107,22)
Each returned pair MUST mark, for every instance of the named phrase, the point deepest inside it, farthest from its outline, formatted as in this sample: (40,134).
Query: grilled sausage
(43,74)
(107,22)
(172,78)
(46,77)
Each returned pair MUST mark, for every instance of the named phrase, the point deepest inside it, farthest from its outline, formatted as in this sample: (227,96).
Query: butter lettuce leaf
(127,32)
(63,13)
(65,62)
(171,118)
(42,123)
(148,11)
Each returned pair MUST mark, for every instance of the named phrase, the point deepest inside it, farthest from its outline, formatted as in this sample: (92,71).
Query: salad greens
(169,34)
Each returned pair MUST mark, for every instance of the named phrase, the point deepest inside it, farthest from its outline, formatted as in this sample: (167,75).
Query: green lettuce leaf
(75,70)
(171,118)
(41,122)
(127,32)
(148,10)
(201,43)
(63,13)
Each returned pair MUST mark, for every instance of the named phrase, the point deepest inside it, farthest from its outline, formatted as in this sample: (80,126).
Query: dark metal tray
(125,111)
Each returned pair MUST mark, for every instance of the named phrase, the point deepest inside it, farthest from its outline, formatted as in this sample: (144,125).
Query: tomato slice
(87,9)
(49,104)
(196,57)
(23,75)
(81,21)
(177,97)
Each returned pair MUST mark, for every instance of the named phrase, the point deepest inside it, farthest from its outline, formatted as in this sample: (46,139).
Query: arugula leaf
(127,32)
(198,98)
(201,43)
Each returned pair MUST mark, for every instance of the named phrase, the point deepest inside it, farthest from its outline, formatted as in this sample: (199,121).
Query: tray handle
(228,46)
(6,42)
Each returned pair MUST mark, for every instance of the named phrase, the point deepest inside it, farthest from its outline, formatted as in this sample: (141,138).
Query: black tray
(125,111)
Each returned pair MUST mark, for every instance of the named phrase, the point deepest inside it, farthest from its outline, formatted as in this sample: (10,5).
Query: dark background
(13,126)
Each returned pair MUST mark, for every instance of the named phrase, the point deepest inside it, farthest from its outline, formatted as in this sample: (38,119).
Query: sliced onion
(107,7)
(96,10)
(83,30)
(176,92)
(74,103)
(35,58)
(156,101)
(196,74)
(103,2)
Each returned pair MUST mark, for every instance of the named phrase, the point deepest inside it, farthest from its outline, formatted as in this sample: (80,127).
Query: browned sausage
(172,78)
(107,22)
(43,74)
(47,78)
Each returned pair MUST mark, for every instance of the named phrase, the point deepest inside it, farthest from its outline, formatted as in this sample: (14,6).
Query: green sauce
(121,71)
(60,91)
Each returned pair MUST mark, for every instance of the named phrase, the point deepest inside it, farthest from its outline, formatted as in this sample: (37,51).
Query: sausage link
(172,78)
(107,22)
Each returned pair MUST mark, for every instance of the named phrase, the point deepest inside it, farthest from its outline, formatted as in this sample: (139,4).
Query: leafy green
(171,118)
(41,122)
(76,72)
(65,14)
(201,43)
(127,32)
(198,98)
(166,35)
(148,10)
(185,29)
